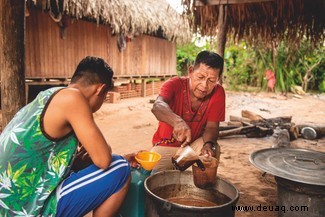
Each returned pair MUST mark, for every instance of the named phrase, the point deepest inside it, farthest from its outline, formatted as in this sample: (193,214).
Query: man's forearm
(210,137)
(210,134)
(163,113)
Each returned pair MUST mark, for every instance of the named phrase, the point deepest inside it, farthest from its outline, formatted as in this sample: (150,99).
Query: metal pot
(300,177)
(172,194)
(299,200)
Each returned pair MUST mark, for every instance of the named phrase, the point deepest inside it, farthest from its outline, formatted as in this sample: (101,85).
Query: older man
(189,110)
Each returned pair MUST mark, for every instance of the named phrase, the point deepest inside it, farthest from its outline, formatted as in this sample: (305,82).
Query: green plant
(186,55)
(241,66)
(321,86)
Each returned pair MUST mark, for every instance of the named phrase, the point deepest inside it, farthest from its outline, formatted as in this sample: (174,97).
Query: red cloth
(270,77)
(176,91)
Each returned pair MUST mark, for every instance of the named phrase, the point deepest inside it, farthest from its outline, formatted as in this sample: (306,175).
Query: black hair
(210,59)
(94,70)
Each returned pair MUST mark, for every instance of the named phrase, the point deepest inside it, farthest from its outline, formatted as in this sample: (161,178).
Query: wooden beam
(224,2)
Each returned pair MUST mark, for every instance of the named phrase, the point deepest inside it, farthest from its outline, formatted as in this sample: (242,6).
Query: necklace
(187,109)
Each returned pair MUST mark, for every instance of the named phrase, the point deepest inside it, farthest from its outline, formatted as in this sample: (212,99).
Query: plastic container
(133,205)
(205,178)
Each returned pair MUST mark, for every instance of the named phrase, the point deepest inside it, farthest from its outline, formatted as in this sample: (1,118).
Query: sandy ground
(128,126)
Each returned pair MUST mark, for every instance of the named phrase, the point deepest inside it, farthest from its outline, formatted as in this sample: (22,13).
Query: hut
(258,21)
(136,37)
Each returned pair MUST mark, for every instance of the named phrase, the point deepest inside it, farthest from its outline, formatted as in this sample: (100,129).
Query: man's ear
(100,89)
(190,70)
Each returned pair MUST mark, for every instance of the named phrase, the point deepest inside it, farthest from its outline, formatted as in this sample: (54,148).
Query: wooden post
(153,87)
(12,20)
(222,32)
(143,87)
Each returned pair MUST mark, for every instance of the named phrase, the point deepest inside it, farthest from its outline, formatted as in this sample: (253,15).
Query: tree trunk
(12,20)
(274,56)
(308,76)
(222,32)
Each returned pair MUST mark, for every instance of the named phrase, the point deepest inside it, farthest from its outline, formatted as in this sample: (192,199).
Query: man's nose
(205,84)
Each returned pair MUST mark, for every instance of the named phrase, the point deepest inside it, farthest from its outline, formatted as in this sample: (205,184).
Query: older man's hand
(182,133)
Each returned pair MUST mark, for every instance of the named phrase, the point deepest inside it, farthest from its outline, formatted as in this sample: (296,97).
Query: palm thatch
(261,20)
(128,17)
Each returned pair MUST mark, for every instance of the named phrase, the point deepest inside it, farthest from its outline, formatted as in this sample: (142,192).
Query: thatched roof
(261,20)
(130,17)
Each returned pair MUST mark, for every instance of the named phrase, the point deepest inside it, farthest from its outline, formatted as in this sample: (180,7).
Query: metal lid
(300,165)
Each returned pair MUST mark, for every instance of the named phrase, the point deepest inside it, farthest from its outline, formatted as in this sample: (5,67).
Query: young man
(38,147)
(189,110)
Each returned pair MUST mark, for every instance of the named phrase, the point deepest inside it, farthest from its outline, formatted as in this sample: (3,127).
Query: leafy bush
(246,65)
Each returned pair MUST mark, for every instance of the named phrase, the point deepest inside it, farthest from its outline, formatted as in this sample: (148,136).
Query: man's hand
(182,133)
(82,159)
(207,149)
(83,154)
(131,158)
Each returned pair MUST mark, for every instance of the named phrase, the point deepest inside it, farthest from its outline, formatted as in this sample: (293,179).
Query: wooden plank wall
(127,62)
(160,56)
(47,55)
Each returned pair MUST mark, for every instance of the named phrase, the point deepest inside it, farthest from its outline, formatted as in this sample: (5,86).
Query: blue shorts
(85,190)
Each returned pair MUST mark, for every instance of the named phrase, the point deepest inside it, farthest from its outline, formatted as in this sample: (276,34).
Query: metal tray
(300,165)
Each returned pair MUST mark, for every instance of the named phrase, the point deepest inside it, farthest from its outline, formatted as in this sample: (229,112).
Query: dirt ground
(128,126)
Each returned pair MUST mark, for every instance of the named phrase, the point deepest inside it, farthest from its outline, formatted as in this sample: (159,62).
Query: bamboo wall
(48,55)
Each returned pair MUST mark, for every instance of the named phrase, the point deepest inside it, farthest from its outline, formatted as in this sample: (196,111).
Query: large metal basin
(173,194)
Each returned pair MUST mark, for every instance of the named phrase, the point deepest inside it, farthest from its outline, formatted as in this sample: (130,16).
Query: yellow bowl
(148,159)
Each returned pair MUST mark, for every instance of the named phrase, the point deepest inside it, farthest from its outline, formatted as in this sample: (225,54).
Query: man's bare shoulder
(69,97)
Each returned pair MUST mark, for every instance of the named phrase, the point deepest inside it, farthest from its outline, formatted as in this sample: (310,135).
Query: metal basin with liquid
(172,193)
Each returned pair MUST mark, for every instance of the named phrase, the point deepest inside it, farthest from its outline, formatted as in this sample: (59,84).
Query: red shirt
(176,91)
